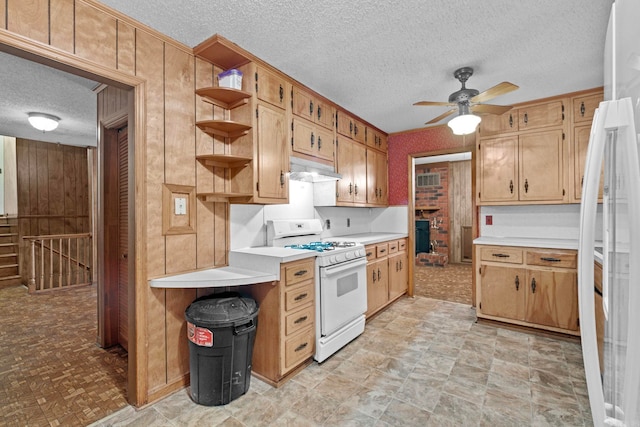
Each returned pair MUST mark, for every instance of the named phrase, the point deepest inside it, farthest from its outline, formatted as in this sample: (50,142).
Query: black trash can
(221,330)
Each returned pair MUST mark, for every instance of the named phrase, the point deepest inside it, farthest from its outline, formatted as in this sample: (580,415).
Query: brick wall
(436,197)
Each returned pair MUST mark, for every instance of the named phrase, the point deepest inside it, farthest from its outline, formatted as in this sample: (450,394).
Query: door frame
(20,46)
(411,214)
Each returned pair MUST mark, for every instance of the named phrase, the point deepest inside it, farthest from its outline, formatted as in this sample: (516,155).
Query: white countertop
(247,266)
(367,238)
(213,278)
(528,242)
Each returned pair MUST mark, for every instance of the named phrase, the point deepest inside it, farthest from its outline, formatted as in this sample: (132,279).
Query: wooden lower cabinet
(285,337)
(528,286)
(387,277)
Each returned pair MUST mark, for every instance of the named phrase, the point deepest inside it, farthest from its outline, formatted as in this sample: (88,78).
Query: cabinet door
(541,166)
(359,161)
(273,154)
(493,124)
(302,103)
(398,277)
(502,291)
(304,139)
(580,144)
(359,131)
(552,298)
(541,115)
(377,285)
(382,179)
(584,107)
(324,143)
(498,171)
(344,166)
(372,173)
(324,114)
(270,87)
(344,124)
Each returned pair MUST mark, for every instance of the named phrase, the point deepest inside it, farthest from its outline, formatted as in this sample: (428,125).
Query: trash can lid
(222,310)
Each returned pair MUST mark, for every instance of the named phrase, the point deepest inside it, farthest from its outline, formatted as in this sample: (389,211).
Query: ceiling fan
(468,101)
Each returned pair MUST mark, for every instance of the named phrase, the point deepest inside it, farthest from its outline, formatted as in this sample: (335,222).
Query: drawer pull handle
(301,297)
(378,275)
(533,285)
(300,273)
(393,247)
(517,283)
(383,251)
(374,276)
(301,347)
(300,320)
(369,254)
(550,259)
(501,255)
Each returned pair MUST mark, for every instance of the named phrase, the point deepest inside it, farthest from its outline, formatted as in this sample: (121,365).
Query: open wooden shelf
(224,128)
(224,97)
(225,197)
(224,160)
(222,52)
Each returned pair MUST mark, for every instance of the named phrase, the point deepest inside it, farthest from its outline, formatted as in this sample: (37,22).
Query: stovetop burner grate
(322,246)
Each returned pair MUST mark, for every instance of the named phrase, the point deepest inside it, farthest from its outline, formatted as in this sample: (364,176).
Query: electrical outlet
(489,220)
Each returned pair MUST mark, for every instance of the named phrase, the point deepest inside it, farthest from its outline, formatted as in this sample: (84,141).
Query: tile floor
(422,362)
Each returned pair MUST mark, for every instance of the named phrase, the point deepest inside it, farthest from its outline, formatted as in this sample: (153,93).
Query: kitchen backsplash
(543,221)
(248,222)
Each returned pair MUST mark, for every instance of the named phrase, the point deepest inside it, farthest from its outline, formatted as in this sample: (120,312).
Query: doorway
(442,216)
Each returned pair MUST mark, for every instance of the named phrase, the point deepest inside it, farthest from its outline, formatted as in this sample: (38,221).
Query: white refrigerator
(614,388)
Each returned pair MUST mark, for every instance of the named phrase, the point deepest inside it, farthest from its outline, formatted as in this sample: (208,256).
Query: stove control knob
(348,255)
(333,259)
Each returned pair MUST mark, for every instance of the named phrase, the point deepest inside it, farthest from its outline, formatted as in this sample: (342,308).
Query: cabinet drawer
(298,348)
(501,254)
(393,247)
(299,320)
(297,297)
(402,245)
(552,259)
(382,250)
(299,272)
(370,251)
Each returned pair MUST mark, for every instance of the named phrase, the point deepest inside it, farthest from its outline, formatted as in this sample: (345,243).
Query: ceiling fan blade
(433,103)
(497,90)
(490,109)
(441,116)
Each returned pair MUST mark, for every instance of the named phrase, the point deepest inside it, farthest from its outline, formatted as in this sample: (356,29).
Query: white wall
(535,221)
(248,222)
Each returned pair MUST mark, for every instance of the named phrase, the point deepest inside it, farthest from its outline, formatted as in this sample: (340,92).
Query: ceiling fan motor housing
(464,95)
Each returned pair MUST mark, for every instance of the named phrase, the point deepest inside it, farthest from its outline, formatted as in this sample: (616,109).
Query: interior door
(123,233)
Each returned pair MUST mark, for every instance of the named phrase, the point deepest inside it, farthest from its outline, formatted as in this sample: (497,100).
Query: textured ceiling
(375,58)
(29,87)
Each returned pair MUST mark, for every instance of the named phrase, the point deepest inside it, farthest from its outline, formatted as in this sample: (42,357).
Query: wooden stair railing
(59,261)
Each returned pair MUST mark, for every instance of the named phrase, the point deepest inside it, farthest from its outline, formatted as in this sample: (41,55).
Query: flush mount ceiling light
(465,123)
(43,122)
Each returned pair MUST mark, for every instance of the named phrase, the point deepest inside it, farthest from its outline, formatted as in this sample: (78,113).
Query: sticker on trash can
(199,336)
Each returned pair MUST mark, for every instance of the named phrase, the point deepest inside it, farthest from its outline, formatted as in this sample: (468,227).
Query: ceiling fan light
(464,124)
(43,122)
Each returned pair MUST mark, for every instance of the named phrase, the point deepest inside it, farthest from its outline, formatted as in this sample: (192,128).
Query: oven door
(343,294)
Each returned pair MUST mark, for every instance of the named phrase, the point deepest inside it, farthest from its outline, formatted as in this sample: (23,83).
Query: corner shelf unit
(224,128)
(228,161)
(224,97)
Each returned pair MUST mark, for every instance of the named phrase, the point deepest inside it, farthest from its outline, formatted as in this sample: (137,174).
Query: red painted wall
(401,145)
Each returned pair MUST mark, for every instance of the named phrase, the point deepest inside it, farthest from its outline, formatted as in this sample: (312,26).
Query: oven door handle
(339,268)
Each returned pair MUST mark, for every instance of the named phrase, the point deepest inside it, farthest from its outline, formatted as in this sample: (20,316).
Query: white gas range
(341,284)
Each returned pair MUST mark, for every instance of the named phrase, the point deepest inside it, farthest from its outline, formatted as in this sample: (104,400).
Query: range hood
(309,171)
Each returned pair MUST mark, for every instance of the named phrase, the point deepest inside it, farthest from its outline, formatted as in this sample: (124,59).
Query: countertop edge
(368,238)
(213,278)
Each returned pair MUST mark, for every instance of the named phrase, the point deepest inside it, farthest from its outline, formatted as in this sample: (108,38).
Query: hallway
(52,373)
(449,283)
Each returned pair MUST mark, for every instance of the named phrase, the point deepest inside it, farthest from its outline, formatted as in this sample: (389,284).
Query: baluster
(32,279)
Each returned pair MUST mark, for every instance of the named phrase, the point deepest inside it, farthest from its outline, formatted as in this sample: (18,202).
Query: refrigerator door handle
(588,209)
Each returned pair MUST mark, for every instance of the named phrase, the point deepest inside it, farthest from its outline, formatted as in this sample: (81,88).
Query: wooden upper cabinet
(344,124)
(270,87)
(351,162)
(498,169)
(375,139)
(548,114)
(359,131)
(541,166)
(493,124)
(312,140)
(585,106)
(305,105)
(273,155)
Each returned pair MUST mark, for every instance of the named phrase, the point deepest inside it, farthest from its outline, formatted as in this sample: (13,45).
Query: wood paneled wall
(53,192)
(461,208)
(88,30)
